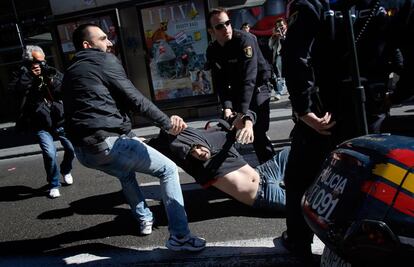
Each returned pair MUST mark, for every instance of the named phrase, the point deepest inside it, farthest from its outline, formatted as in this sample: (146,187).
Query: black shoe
(301,249)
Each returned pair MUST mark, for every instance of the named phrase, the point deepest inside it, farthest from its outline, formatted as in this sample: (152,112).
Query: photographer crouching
(41,112)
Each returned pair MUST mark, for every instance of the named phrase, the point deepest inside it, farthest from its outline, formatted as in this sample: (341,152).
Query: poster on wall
(176,41)
(105,22)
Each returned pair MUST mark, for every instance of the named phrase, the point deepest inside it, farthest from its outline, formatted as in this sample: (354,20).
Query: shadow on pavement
(96,254)
(21,192)
(214,205)
(10,138)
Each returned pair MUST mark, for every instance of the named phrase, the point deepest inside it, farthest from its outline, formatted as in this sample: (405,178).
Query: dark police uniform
(316,68)
(240,76)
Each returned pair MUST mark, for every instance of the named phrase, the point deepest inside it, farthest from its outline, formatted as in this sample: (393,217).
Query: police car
(362,204)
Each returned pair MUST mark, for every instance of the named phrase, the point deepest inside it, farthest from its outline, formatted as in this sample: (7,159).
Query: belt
(101,146)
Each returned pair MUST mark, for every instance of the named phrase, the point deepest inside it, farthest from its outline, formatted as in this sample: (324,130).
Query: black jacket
(314,58)
(224,157)
(40,99)
(238,68)
(97,96)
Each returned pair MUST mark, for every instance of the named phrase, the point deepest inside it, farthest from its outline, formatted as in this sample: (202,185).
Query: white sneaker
(68,178)
(54,193)
(278,96)
(145,227)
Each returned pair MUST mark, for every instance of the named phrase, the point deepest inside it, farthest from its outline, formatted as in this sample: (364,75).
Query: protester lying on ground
(212,160)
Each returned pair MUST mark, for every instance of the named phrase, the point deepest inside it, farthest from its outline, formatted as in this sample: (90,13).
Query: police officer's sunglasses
(220,26)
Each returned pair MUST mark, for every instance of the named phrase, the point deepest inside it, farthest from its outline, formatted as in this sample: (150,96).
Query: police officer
(240,75)
(316,68)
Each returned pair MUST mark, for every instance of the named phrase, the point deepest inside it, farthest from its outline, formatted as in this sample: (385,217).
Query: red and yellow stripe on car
(404,201)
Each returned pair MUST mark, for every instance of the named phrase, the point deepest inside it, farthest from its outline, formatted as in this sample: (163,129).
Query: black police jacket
(238,68)
(97,97)
(314,58)
(40,105)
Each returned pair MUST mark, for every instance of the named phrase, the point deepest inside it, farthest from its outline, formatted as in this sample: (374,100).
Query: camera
(46,69)
(280,27)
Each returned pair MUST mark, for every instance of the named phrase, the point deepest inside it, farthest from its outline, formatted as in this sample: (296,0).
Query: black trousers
(262,145)
(308,151)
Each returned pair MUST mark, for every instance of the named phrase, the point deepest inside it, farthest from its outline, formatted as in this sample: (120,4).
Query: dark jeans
(49,152)
(271,194)
(262,145)
(308,151)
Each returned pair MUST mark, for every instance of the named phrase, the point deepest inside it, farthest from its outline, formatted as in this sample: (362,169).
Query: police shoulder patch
(248,51)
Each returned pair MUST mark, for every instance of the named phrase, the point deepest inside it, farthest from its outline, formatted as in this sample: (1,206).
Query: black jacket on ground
(224,157)
(40,98)
(311,58)
(97,96)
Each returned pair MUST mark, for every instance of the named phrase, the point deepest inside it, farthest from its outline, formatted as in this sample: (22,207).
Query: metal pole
(19,34)
(358,93)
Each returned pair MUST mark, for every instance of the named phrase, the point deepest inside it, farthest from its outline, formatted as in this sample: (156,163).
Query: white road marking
(214,250)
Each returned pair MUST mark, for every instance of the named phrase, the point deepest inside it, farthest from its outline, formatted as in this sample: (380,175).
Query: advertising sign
(176,41)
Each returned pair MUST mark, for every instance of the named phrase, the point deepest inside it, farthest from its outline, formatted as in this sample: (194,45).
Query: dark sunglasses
(223,25)
(40,62)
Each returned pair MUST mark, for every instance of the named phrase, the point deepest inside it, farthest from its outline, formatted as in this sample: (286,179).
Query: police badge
(248,51)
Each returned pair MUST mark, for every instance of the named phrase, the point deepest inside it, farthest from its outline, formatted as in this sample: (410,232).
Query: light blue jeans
(271,194)
(122,157)
(280,81)
(49,152)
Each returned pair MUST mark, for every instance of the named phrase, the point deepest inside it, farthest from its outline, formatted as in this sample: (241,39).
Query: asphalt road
(90,224)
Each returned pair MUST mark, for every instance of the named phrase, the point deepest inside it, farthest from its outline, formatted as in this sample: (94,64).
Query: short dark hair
(80,34)
(278,20)
(214,12)
(244,25)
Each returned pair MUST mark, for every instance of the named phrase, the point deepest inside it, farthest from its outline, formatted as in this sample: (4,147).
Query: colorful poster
(176,41)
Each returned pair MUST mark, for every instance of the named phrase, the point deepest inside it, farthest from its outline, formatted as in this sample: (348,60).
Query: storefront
(161,44)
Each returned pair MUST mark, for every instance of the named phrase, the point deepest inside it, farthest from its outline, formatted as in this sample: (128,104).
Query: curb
(253,253)
(279,110)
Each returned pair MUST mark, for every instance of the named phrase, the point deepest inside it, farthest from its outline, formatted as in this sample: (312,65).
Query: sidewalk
(18,145)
